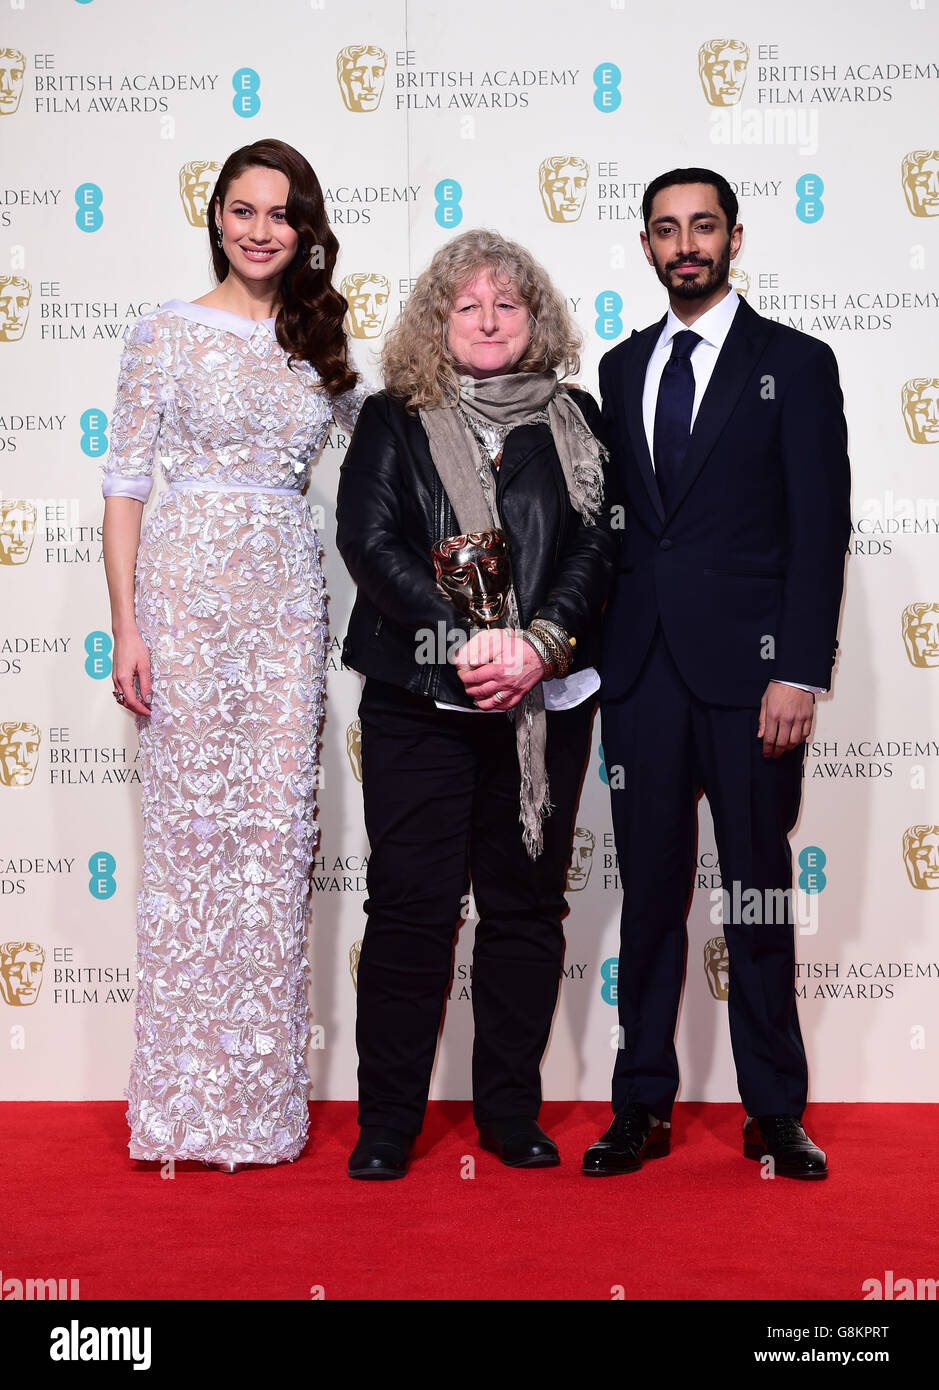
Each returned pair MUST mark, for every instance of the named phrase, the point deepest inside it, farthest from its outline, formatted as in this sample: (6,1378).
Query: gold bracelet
(540,650)
(558,642)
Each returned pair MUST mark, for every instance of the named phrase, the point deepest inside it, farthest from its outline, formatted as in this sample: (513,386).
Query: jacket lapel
(736,361)
(635,384)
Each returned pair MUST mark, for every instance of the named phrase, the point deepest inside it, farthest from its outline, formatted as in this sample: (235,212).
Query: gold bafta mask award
(717,967)
(355,951)
(21,964)
(722,68)
(15,294)
(921,634)
(360,71)
(12,72)
(562,182)
(473,572)
(921,855)
(920,173)
(919,401)
(196,181)
(354,748)
(581,858)
(19,752)
(17,530)
(367,297)
(739,281)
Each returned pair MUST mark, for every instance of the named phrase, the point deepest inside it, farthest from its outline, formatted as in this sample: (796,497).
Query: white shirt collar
(219,318)
(713,326)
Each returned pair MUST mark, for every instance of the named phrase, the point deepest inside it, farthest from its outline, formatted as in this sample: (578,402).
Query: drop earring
(218,234)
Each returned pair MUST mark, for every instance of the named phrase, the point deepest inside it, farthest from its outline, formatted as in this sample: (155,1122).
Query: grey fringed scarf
(503,402)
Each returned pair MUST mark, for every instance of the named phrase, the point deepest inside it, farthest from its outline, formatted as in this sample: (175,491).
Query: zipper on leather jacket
(440,504)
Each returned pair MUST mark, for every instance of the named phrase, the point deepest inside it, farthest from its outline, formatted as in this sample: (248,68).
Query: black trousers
(441,807)
(662,747)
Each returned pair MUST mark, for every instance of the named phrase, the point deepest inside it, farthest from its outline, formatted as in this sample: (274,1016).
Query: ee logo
(94,440)
(609,307)
(98,660)
(607,96)
(609,974)
(102,883)
(812,861)
(810,207)
(448,212)
(246,101)
(88,217)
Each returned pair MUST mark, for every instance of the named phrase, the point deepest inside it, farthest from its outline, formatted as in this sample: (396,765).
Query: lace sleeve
(127,470)
(347,406)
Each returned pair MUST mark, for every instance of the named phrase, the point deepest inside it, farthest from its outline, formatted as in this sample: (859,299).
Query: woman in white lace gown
(219,621)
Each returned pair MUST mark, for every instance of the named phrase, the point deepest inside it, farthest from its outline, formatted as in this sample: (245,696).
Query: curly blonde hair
(415,357)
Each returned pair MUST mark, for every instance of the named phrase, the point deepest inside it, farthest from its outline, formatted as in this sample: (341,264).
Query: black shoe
(782,1138)
(519,1143)
(380,1153)
(634,1136)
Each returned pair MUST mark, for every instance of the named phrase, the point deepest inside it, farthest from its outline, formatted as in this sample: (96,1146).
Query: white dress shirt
(712,328)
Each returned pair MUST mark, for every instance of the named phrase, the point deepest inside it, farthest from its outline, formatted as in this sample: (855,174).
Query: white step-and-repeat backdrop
(544,120)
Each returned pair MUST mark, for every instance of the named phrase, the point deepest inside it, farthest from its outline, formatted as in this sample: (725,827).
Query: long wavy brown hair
(309,320)
(415,357)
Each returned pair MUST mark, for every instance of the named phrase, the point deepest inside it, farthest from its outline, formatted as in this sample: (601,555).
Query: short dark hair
(725,194)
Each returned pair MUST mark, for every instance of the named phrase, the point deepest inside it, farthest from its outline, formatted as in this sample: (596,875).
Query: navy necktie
(672,428)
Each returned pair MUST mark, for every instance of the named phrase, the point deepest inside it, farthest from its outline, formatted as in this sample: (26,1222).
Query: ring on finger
(499,696)
(119,696)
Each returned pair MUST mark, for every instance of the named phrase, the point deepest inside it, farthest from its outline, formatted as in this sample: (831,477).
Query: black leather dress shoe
(519,1143)
(782,1138)
(634,1136)
(380,1153)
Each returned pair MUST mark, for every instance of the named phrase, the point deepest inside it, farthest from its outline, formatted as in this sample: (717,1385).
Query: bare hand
(132,659)
(498,662)
(785,718)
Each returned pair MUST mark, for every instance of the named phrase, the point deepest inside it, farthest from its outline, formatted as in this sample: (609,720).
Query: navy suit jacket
(745,572)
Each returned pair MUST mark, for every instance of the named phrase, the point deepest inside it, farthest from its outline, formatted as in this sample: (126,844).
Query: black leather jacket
(392,508)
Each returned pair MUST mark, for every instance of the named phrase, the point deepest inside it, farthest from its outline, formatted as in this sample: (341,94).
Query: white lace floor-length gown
(230,600)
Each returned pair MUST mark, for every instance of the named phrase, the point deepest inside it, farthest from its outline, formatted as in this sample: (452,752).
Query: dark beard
(718,274)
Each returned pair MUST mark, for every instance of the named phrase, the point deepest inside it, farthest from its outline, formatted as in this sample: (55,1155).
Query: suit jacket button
(666,544)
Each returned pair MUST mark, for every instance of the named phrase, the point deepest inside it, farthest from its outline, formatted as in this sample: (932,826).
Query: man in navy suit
(729,447)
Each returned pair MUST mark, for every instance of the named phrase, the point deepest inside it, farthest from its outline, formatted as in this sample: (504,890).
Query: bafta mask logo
(196,181)
(921,182)
(921,634)
(722,67)
(355,951)
(21,965)
(15,294)
(920,403)
(17,530)
(12,72)
(19,752)
(367,297)
(717,967)
(354,748)
(921,855)
(739,281)
(562,181)
(360,69)
(581,859)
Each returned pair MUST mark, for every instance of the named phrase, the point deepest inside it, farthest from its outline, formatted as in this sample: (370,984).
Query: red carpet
(699,1224)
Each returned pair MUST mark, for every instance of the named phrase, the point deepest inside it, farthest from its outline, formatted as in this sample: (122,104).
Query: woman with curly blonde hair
(416,361)
(479,681)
